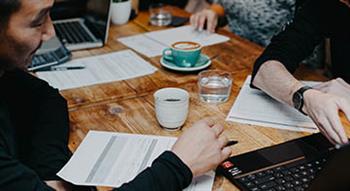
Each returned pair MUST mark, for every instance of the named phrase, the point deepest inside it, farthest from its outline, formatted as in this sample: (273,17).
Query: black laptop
(310,163)
(81,24)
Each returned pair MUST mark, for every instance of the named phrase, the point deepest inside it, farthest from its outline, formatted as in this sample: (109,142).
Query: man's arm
(272,71)
(47,128)
(16,176)
(13,174)
(167,172)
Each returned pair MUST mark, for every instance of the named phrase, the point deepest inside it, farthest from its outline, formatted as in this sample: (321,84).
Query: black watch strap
(298,98)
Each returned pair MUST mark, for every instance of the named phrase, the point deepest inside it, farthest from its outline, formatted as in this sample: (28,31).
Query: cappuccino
(186,45)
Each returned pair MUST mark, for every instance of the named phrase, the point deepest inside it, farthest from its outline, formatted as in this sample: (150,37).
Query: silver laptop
(81,24)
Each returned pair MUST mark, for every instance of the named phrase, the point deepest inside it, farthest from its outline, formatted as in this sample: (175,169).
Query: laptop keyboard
(286,178)
(72,32)
(49,59)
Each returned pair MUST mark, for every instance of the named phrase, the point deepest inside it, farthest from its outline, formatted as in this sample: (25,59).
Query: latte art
(186,45)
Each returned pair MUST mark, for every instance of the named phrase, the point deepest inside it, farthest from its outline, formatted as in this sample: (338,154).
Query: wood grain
(128,106)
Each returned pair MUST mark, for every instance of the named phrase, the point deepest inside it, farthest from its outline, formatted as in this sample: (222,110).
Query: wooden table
(127,106)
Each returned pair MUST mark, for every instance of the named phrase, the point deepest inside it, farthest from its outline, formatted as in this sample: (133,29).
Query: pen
(63,68)
(231,142)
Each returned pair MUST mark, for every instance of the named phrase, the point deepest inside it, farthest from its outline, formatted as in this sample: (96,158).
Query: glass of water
(159,14)
(214,86)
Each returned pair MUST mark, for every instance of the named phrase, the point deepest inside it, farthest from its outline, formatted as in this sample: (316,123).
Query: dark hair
(7,8)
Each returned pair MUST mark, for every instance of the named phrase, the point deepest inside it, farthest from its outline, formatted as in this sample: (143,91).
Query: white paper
(111,159)
(257,108)
(105,68)
(153,43)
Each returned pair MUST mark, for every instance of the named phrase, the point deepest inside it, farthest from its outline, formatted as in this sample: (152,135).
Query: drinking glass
(159,15)
(214,86)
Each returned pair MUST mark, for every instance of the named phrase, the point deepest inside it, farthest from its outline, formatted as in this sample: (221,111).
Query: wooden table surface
(127,106)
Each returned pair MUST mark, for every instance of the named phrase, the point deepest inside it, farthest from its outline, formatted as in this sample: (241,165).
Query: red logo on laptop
(227,164)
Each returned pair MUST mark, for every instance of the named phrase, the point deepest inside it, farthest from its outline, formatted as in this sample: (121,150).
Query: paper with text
(111,159)
(105,68)
(153,43)
(257,108)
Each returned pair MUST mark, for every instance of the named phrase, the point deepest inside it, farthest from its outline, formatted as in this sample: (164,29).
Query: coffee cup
(171,106)
(183,54)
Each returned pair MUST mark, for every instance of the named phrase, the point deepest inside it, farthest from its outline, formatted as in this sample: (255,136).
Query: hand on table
(323,108)
(336,87)
(208,16)
(201,148)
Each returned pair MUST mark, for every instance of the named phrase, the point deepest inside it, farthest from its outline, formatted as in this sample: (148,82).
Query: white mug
(171,106)
(120,12)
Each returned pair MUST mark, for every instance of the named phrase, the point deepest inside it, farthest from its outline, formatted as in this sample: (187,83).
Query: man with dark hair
(317,19)
(7,7)
(34,123)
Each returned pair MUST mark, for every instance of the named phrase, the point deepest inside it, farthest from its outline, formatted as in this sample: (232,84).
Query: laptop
(51,53)
(310,163)
(81,24)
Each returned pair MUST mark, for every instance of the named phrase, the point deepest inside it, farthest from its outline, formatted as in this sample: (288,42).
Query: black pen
(63,68)
(231,142)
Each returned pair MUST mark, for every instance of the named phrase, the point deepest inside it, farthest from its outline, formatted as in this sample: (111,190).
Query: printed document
(153,43)
(111,159)
(105,68)
(257,108)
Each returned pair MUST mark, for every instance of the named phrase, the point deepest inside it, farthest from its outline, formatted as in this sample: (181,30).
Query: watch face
(297,100)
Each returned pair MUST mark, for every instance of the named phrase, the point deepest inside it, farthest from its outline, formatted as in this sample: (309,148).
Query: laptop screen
(94,12)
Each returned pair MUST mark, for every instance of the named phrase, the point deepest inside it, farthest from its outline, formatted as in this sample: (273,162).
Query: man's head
(24,25)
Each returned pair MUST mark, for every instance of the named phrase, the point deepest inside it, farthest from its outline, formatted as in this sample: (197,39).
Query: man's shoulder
(21,82)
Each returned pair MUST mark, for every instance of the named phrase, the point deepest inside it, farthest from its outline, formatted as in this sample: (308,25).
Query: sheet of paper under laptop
(105,68)
(153,43)
(111,159)
(257,108)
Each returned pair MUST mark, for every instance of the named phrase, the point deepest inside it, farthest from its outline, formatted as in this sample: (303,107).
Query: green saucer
(203,62)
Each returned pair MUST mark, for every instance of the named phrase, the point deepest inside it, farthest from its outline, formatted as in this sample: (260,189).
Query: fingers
(222,141)
(326,135)
(215,25)
(193,20)
(218,129)
(345,107)
(225,153)
(211,23)
(327,130)
(338,128)
(201,22)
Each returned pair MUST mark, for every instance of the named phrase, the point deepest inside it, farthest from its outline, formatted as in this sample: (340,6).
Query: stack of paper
(153,43)
(111,159)
(257,108)
(105,68)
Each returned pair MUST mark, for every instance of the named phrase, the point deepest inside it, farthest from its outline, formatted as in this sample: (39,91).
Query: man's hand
(208,16)
(336,87)
(59,185)
(324,110)
(201,148)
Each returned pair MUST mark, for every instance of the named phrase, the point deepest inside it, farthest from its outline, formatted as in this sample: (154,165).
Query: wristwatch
(298,98)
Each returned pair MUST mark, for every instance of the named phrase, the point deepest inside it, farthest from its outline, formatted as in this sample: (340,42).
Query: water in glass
(214,89)
(160,19)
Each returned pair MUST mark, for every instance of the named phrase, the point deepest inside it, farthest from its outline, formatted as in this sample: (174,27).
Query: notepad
(254,107)
(111,159)
(153,43)
(100,69)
